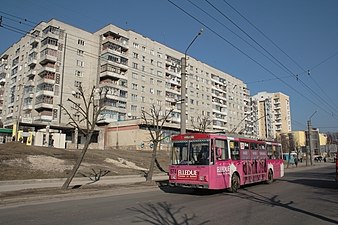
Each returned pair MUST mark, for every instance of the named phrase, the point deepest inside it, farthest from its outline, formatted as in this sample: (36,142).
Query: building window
(80,63)
(78,73)
(134,75)
(135,45)
(80,52)
(133,97)
(135,55)
(77,83)
(152,91)
(133,108)
(134,86)
(135,65)
(80,42)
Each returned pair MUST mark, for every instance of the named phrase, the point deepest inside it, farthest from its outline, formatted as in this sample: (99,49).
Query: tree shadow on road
(275,202)
(163,213)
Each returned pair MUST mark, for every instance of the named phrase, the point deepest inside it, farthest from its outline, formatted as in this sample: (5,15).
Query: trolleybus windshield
(191,153)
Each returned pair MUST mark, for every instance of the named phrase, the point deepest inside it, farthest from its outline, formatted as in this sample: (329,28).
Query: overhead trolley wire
(251,58)
(251,38)
(294,61)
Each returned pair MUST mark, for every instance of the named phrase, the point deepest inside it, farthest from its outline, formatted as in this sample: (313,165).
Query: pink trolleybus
(219,161)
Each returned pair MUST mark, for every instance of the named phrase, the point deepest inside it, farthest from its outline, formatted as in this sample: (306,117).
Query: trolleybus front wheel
(235,183)
(270,177)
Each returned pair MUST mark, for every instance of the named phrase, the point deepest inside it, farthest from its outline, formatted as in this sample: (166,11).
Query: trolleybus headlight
(203,178)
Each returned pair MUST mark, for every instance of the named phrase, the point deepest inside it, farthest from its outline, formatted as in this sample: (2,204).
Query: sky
(288,46)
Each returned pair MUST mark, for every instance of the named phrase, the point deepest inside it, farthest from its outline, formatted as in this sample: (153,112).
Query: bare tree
(84,120)
(202,123)
(154,121)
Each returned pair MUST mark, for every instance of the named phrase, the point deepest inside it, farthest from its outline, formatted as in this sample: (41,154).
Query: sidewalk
(15,185)
(302,166)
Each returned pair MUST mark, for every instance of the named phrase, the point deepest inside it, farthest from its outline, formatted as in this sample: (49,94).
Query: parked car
(318,158)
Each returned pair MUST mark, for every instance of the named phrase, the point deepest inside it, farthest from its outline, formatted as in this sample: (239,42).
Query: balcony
(32,62)
(112,75)
(174,81)
(47,58)
(45,69)
(3,69)
(31,73)
(47,118)
(27,107)
(9,115)
(112,84)
(45,93)
(46,80)
(30,83)
(115,38)
(43,105)
(109,47)
(34,41)
(222,97)
(117,97)
(53,35)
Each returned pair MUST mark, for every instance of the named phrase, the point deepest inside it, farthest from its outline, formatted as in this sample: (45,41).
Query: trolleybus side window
(234,150)
(222,149)
(269,151)
(253,146)
(278,152)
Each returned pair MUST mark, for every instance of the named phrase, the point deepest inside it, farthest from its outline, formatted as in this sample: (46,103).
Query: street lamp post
(183,85)
(17,122)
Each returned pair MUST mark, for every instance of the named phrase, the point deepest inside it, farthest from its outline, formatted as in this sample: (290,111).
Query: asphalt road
(306,196)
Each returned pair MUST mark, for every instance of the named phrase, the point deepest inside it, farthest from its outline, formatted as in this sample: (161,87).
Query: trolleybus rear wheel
(235,183)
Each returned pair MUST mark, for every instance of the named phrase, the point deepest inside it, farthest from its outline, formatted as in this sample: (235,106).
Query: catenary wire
(289,71)
(241,51)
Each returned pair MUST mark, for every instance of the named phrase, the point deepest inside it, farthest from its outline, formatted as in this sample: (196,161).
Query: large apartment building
(45,68)
(273,114)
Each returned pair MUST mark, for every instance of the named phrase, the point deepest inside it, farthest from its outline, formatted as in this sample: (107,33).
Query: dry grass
(19,161)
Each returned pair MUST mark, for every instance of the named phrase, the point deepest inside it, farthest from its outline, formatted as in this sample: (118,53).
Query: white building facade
(44,68)
(273,114)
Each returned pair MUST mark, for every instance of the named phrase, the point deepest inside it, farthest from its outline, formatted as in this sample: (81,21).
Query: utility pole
(309,127)
(183,85)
